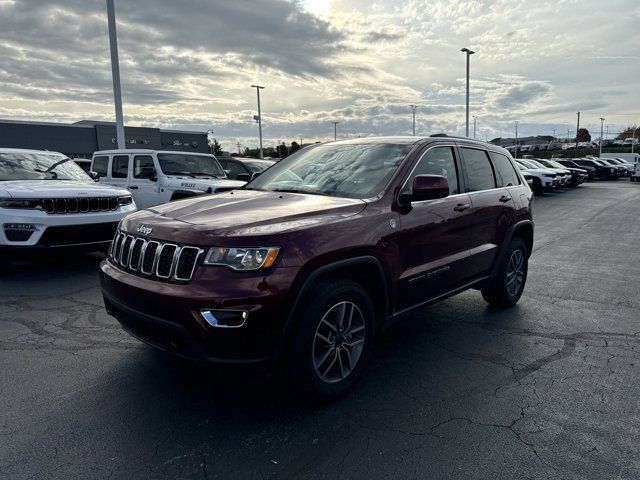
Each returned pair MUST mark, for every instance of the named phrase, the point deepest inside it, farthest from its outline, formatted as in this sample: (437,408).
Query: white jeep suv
(156,177)
(47,202)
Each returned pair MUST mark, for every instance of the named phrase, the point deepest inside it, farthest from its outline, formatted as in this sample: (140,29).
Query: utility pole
(115,73)
(469,53)
(577,129)
(335,130)
(258,88)
(239,153)
(633,140)
(474,126)
(515,150)
(413,110)
(601,133)
(300,142)
(606,135)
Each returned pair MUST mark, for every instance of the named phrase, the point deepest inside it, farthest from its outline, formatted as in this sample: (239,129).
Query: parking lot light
(601,133)
(259,120)
(469,53)
(413,110)
(335,130)
(115,73)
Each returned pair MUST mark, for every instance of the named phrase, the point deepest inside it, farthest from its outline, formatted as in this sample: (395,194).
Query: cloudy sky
(189,65)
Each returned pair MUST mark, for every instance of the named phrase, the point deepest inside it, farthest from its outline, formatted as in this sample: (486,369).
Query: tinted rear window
(477,170)
(506,175)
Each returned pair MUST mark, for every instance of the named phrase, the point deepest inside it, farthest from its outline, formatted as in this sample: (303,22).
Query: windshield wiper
(188,174)
(54,175)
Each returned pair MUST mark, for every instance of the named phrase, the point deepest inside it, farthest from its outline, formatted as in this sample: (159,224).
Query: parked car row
(548,175)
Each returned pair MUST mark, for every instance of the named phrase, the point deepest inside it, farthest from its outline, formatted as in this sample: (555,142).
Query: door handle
(133,187)
(461,207)
(504,198)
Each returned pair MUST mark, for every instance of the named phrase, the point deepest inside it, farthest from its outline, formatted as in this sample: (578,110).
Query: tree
(583,135)
(628,132)
(215,147)
(294,147)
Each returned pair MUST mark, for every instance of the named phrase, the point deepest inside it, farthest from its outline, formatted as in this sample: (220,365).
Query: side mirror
(255,174)
(149,173)
(245,177)
(427,187)
(94,175)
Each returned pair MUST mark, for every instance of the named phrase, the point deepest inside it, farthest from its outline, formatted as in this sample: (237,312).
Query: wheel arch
(366,270)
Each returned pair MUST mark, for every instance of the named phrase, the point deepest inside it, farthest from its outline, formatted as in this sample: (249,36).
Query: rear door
(143,190)
(491,209)
(433,241)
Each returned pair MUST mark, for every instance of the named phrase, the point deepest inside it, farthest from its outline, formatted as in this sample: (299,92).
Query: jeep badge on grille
(144,230)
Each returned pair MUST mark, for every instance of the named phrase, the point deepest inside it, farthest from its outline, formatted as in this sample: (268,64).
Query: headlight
(125,200)
(242,258)
(20,203)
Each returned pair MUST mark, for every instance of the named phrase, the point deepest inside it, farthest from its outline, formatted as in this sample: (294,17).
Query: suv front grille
(150,258)
(79,205)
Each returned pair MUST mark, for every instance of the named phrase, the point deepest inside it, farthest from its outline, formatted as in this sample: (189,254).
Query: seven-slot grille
(151,258)
(79,205)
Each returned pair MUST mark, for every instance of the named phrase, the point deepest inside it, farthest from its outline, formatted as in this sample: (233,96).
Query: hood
(241,213)
(544,171)
(58,189)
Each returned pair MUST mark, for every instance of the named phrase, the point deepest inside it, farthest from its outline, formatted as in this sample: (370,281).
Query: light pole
(577,129)
(469,53)
(633,139)
(475,118)
(413,110)
(335,130)
(515,149)
(258,88)
(115,73)
(601,133)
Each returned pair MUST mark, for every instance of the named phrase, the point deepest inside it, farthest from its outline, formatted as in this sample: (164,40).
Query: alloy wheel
(338,342)
(515,273)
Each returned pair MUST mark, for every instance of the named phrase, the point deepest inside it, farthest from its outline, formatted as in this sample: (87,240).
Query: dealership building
(81,139)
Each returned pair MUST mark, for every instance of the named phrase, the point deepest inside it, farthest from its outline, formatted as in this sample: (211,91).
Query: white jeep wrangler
(154,177)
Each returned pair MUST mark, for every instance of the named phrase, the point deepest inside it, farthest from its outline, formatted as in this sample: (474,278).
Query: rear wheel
(507,286)
(332,342)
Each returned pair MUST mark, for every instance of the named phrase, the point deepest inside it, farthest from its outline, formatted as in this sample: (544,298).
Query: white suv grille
(151,258)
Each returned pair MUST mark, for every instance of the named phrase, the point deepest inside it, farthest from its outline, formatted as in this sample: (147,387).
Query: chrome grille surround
(153,258)
(60,206)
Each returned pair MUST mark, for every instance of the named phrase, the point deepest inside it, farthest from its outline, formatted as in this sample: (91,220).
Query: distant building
(82,138)
(537,140)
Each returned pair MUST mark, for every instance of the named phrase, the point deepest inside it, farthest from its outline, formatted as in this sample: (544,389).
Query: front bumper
(167,315)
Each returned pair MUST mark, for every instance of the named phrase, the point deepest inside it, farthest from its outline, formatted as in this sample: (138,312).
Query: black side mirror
(245,177)
(93,175)
(149,173)
(255,174)
(426,187)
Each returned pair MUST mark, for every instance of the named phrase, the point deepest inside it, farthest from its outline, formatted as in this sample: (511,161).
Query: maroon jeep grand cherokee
(300,269)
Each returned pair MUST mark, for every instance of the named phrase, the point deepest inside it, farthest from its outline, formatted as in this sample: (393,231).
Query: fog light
(225,318)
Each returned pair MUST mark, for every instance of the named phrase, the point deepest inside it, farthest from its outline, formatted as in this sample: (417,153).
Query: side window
(506,176)
(100,165)
(235,169)
(478,173)
(436,161)
(120,166)
(141,165)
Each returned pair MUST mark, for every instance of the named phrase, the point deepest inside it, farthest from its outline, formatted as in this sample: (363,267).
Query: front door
(433,241)
(143,190)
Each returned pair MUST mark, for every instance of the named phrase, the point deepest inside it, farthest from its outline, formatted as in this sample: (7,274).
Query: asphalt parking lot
(548,389)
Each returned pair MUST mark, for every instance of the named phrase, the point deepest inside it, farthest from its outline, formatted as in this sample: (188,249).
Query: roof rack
(455,136)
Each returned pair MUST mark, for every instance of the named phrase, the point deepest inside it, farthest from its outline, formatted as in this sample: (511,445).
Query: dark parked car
(578,175)
(622,170)
(590,170)
(602,172)
(303,267)
(243,169)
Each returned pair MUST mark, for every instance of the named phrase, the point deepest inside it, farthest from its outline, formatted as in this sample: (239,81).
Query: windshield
(528,164)
(352,170)
(257,166)
(190,165)
(40,166)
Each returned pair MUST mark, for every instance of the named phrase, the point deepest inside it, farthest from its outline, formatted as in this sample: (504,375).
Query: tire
(310,378)
(502,292)
(537,186)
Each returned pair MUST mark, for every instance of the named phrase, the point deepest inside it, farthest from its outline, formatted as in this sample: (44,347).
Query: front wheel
(507,286)
(332,342)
